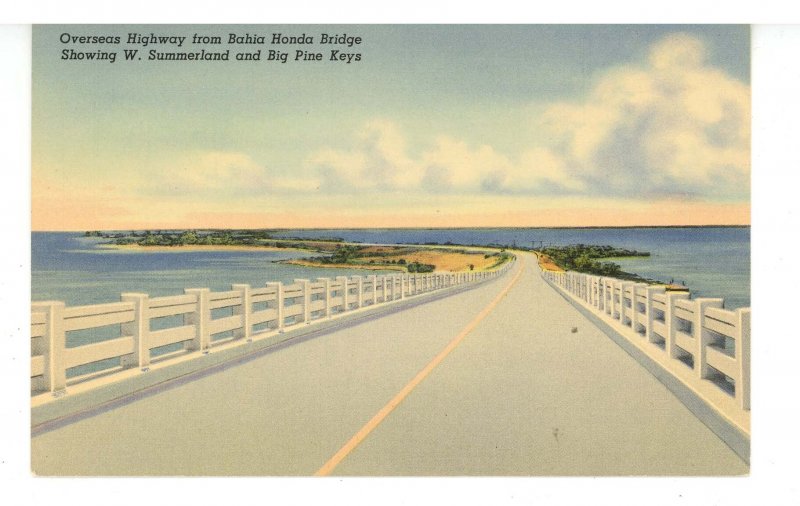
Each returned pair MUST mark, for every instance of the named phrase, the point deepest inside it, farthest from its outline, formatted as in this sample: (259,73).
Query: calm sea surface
(712,261)
(79,270)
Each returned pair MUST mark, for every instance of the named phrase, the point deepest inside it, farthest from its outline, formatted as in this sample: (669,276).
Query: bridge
(514,372)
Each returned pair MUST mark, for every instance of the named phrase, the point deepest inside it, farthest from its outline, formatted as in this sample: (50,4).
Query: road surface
(491,381)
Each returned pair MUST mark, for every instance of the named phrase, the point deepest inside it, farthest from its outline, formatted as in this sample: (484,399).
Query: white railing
(206,319)
(705,346)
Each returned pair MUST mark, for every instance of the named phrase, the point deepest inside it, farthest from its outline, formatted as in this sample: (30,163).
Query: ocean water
(711,261)
(79,270)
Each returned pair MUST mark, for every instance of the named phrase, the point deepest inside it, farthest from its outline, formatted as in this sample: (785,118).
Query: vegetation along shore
(334,252)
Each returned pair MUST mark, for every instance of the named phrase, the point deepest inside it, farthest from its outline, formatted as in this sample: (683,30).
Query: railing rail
(700,342)
(200,319)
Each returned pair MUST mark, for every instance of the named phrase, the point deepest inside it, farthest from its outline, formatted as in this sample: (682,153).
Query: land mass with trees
(431,256)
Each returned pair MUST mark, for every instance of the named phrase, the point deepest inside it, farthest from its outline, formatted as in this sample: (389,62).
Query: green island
(431,256)
(587,258)
(334,252)
(183,238)
(410,258)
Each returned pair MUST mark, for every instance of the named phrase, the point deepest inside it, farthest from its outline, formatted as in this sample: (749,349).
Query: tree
(188,237)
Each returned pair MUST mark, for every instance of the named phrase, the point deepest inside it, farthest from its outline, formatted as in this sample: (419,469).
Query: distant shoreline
(367,267)
(586,227)
(193,247)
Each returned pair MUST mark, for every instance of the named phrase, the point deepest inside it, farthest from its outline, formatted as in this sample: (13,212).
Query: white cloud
(379,160)
(208,172)
(672,126)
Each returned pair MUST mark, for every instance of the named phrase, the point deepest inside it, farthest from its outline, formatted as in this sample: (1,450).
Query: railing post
(601,295)
(383,284)
(700,334)
(278,286)
(345,292)
(305,286)
(597,292)
(588,281)
(359,291)
(648,310)
(623,287)
(634,306)
(373,280)
(139,329)
(326,282)
(669,321)
(55,370)
(245,310)
(614,302)
(743,357)
(200,318)
(403,288)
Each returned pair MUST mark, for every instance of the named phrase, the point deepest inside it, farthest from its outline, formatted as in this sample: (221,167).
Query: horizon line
(482,227)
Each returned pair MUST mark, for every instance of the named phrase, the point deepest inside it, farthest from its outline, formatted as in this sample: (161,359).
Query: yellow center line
(345,450)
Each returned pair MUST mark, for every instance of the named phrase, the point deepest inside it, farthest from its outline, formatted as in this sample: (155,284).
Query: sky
(437,125)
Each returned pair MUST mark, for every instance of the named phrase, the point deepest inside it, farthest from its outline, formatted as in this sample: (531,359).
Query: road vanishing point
(505,379)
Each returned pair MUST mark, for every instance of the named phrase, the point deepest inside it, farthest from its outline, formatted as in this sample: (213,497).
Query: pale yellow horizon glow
(95,212)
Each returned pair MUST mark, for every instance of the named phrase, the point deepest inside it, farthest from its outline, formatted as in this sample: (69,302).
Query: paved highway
(491,381)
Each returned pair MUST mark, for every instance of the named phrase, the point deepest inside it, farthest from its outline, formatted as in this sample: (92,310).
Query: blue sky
(438,124)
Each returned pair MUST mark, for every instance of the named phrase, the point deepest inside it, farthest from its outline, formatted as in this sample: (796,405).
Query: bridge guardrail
(199,320)
(704,345)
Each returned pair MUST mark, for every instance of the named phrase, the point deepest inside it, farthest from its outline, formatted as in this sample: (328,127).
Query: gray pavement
(520,395)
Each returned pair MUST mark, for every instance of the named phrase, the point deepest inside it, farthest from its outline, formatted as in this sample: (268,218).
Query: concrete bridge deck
(490,381)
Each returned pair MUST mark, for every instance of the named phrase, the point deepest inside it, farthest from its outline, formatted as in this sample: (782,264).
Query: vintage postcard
(390,250)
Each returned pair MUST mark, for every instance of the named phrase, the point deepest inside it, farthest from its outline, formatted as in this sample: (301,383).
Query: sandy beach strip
(195,247)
